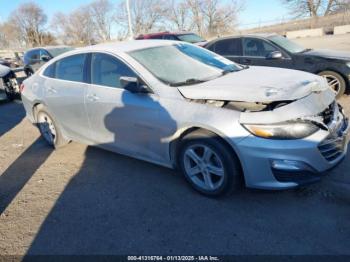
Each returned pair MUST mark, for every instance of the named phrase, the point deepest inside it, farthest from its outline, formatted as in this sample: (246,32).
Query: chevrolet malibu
(181,106)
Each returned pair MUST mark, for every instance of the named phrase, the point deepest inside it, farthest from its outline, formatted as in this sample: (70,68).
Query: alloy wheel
(204,167)
(333,82)
(47,128)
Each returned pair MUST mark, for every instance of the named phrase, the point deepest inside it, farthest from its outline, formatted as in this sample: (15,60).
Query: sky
(255,13)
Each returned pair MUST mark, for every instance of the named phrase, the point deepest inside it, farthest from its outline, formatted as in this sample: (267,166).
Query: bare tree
(197,21)
(102,16)
(220,18)
(75,28)
(316,8)
(179,15)
(9,36)
(213,17)
(29,19)
(146,14)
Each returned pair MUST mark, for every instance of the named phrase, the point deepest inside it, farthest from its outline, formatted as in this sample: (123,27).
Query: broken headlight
(288,130)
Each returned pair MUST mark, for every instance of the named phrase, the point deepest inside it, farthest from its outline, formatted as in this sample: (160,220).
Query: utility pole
(131,34)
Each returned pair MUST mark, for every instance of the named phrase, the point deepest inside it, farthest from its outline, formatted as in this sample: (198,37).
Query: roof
(163,33)
(259,35)
(48,47)
(127,46)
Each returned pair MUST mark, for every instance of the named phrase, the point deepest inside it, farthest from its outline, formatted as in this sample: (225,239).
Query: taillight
(21,87)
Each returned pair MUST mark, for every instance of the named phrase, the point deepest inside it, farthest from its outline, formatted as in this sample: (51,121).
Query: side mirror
(275,55)
(45,58)
(133,85)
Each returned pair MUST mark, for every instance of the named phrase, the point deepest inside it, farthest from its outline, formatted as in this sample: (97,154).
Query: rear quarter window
(50,71)
(71,68)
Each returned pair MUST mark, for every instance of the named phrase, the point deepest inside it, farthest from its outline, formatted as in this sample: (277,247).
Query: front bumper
(282,164)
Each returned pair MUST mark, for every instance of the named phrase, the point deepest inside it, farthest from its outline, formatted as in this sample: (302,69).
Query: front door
(256,51)
(120,120)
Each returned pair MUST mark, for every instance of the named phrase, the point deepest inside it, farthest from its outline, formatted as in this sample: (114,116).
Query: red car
(180,36)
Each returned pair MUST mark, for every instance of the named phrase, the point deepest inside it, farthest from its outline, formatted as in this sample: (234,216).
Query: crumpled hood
(341,55)
(257,84)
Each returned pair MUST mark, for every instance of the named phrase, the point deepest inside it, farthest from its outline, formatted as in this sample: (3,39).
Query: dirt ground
(83,200)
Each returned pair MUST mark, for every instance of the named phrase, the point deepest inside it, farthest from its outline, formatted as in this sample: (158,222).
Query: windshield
(183,63)
(287,44)
(57,51)
(190,38)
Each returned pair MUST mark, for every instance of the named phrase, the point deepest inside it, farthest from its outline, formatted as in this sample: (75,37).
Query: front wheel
(335,81)
(209,165)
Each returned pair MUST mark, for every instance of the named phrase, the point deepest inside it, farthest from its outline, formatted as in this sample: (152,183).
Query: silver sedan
(181,106)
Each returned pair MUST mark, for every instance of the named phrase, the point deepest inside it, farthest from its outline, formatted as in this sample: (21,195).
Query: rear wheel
(208,164)
(335,81)
(48,128)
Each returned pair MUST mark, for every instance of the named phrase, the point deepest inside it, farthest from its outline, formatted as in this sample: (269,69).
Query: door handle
(246,61)
(93,97)
(51,90)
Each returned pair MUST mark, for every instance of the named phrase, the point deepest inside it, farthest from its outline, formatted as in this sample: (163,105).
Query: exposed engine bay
(319,108)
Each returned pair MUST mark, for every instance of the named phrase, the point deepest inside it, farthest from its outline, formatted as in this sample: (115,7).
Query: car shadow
(116,205)
(14,178)
(11,114)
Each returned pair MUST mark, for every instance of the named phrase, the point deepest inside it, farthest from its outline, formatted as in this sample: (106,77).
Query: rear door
(230,48)
(65,89)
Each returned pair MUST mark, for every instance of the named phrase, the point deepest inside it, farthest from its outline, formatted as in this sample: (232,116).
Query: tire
(48,128)
(224,175)
(9,93)
(29,72)
(336,81)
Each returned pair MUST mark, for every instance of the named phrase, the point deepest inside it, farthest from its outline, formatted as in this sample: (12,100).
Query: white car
(179,105)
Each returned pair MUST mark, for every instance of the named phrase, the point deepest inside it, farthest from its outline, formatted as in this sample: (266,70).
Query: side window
(156,37)
(169,37)
(71,68)
(257,47)
(50,71)
(35,55)
(230,47)
(27,57)
(106,70)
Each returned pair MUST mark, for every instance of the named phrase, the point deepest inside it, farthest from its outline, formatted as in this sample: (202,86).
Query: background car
(277,51)
(5,62)
(180,36)
(34,58)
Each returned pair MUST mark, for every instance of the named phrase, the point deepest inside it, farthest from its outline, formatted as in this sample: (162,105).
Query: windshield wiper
(190,81)
(231,70)
(305,50)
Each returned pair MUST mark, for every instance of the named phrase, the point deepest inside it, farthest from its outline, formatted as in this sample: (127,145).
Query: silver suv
(179,105)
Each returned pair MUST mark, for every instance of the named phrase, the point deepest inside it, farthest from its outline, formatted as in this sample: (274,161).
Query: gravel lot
(83,200)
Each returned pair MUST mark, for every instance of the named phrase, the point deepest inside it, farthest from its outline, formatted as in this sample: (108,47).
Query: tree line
(102,20)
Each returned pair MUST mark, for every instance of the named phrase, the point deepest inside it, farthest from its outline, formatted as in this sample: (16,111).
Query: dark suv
(180,36)
(277,51)
(34,58)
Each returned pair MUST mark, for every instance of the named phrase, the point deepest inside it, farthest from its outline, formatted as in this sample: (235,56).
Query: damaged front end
(288,119)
